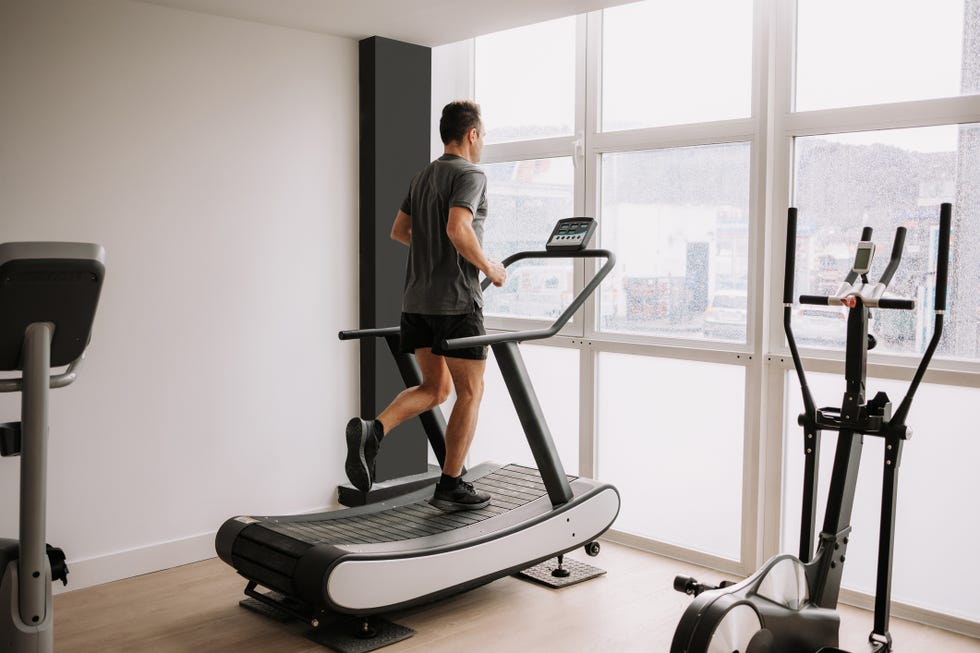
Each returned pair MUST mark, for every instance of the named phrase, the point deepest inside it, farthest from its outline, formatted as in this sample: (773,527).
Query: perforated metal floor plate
(578,572)
(342,635)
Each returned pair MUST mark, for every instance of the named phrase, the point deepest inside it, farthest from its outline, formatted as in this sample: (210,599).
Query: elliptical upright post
(789,605)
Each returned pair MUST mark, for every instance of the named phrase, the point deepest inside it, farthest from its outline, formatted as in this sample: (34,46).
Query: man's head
(461,126)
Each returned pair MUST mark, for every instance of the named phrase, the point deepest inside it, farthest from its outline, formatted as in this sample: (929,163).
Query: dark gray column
(395,113)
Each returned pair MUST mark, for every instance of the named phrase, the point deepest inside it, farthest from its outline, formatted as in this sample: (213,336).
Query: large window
(654,73)
(687,129)
(535,64)
(877,51)
(652,422)
(889,179)
(678,220)
(526,197)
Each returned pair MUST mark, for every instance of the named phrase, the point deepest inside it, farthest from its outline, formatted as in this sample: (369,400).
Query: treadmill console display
(571,234)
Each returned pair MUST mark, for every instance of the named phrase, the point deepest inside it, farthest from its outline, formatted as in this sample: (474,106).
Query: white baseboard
(136,562)
(87,572)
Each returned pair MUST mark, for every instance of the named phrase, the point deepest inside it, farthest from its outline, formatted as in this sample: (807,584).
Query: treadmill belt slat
(511,487)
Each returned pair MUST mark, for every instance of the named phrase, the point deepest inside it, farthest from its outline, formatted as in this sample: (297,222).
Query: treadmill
(401,551)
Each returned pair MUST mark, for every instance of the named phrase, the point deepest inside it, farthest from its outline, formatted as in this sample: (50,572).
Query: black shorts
(419,331)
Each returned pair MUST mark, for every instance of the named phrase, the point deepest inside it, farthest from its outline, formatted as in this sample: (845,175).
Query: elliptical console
(790,603)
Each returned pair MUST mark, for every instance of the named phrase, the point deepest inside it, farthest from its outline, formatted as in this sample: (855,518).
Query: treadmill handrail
(359,334)
(561,320)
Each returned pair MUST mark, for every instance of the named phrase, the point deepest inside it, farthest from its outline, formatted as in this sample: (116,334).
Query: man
(441,221)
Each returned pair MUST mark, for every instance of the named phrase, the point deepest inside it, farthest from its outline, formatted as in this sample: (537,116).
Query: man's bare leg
(364,436)
(411,402)
(467,376)
(451,492)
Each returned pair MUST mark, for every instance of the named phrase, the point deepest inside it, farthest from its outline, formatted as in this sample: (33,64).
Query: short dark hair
(458,118)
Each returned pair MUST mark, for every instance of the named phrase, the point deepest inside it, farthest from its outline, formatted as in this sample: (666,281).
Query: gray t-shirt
(438,280)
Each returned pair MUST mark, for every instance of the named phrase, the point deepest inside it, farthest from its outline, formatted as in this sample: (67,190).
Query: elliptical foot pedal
(544,573)
(355,635)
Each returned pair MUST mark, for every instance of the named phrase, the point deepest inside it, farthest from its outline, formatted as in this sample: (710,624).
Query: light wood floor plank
(631,608)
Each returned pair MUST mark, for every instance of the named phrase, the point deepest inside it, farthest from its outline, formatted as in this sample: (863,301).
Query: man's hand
(496,273)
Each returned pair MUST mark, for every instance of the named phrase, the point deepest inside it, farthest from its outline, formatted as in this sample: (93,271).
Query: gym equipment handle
(896,257)
(357,334)
(790,268)
(942,267)
(57,380)
(537,334)
(884,302)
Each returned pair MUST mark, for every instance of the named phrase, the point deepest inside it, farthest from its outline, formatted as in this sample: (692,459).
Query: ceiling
(425,22)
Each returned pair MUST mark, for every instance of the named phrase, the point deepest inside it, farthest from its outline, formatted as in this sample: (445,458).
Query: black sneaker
(362,450)
(461,497)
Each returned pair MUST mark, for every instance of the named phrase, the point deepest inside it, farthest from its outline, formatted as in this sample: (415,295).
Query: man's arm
(460,232)
(401,230)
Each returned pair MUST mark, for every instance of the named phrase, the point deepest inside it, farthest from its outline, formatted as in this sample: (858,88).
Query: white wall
(216,161)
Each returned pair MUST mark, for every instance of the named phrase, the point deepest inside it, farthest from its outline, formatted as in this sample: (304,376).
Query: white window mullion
(782,47)
(587,103)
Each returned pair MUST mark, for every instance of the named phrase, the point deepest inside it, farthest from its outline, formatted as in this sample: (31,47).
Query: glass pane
(887,179)
(678,220)
(665,64)
(526,199)
(525,81)
(875,51)
(937,474)
(554,372)
(649,454)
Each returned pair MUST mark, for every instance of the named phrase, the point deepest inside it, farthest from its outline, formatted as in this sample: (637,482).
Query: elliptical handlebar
(789,271)
(873,299)
(884,302)
(561,320)
(871,294)
(942,264)
(939,308)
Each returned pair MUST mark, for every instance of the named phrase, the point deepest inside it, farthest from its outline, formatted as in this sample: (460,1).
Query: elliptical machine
(789,605)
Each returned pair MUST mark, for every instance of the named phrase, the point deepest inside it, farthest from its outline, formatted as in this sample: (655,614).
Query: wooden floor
(631,608)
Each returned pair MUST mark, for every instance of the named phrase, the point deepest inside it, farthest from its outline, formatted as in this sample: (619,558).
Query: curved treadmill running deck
(357,561)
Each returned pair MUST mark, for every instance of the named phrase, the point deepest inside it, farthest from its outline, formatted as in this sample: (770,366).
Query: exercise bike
(48,296)
(789,605)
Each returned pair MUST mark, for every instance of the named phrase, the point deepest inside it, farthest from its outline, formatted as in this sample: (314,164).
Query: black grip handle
(815,300)
(884,302)
(901,304)
(942,265)
(866,233)
(790,269)
(896,257)
(356,334)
